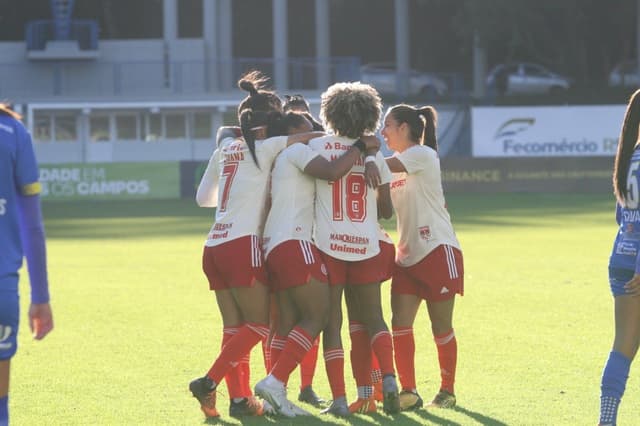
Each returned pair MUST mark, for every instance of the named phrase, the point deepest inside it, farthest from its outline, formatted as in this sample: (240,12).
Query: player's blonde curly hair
(351,109)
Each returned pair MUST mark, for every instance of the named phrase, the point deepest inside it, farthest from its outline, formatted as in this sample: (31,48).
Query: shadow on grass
(480,418)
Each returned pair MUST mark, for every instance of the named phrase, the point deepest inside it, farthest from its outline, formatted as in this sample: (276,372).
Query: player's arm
(33,241)
(395,165)
(383,200)
(321,168)
(207,193)
(303,137)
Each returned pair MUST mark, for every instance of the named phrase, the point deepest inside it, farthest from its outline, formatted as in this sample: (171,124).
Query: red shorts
(343,272)
(293,263)
(237,263)
(387,259)
(437,277)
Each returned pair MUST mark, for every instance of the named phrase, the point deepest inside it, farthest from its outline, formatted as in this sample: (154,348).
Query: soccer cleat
(276,394)
(409,400)
(338,408)
(363,406)
(310,397)
(204,391)
(377,391)
(250,406)
(443,399)
(391,402)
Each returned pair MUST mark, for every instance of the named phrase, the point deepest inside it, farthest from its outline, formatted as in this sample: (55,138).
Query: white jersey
(346,210)
(383,235)
(421,213)
(239,189)
(292,198)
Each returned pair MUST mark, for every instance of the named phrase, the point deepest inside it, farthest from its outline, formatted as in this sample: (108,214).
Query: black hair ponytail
(246,126)
(429,137)
(626,144)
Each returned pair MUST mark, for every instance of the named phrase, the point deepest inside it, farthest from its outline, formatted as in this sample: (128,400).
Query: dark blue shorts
(618,278)
(9,318)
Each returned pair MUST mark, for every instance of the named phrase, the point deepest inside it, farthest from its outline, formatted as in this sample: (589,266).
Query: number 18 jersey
(346,210)
(625,248)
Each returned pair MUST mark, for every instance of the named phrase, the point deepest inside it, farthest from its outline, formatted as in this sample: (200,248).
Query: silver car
(526,78)
(382,76)
(625,74)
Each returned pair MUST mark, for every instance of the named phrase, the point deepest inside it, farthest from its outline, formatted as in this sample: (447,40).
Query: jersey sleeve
(207,194)
(300,155)
(414,160)
(26,171)
(274,145)
(385,173)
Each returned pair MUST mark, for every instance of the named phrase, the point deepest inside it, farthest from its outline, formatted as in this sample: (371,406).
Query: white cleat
(276,394)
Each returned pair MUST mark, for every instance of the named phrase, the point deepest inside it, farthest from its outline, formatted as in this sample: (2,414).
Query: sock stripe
(333,354)
(402,331)
(444,339)
(356,326)
(260,330)
(278,343)
(380,334)
(301,339)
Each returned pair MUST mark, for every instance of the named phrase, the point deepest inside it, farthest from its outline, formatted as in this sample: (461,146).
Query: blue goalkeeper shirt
(627,244)
(18,176)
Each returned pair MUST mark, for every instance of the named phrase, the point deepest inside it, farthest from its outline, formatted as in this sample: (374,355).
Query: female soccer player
(428,257)
(21,234)
(236,181)
(624,266)
(296,270)
(347,234)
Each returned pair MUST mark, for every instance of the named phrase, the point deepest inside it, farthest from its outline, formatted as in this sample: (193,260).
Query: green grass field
(135,322)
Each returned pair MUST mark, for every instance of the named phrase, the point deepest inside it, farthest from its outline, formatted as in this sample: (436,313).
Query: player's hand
(632,287)
(372,143)
(372,174)
(40,320)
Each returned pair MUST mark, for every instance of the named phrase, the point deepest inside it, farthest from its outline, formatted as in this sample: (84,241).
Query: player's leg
(4,391)
(360,356)
(441,315)
(307,373)
(334,353)
(404,307)
(368,302)
(625,347)
(9,320)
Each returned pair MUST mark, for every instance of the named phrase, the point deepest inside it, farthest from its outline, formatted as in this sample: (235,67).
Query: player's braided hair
(351,109)
(254,110)
(626,145)
(422,123)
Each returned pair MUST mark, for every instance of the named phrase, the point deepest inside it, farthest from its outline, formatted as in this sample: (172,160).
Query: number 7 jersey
(346,210)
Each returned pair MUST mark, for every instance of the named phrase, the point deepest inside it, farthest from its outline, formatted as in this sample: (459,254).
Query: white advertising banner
(550,131)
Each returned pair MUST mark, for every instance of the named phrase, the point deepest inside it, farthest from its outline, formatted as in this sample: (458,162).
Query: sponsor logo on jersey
(350,239)
(398,183)
(425,232)
(626,249)
(346,249)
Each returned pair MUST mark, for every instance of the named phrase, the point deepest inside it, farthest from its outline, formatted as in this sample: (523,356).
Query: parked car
(382,76)
(625,74)
(526,78)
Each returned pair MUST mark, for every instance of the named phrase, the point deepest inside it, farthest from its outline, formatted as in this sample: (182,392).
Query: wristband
(360,145)
(370,159)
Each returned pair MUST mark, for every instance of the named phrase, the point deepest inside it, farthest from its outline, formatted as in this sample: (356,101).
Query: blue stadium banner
(110,181)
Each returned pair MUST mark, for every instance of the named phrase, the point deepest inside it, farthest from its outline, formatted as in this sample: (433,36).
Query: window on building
(201,126)
(126,127)
(41,127)
(65,128)
(153,128)
(99,128)
(175,126)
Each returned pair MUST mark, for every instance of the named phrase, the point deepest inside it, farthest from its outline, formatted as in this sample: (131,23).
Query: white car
(382,76)
(526,79)
(625,74)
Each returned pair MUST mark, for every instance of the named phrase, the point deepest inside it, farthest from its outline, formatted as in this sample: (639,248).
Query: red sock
(376,374)
(234,376)
(360,353)
(236,348)
(245,368)
(277,345)
(298,343)
(447,356)
(405,348)
(266,355)
(334,364)
(382,345)
(308,365)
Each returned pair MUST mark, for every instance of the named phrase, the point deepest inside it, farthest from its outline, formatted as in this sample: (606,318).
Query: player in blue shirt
(624,265)
(21,234)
